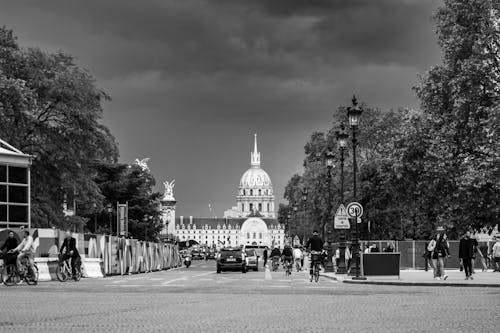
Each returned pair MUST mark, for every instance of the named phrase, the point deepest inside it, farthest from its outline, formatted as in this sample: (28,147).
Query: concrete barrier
(46,268)
(92,268)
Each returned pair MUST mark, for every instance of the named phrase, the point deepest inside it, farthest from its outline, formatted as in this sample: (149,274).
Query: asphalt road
(199,300)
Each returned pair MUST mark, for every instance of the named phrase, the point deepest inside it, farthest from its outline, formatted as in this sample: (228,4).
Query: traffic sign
(341,220)
(354,209)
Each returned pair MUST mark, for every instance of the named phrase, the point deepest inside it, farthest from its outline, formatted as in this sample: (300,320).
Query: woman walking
(439,249)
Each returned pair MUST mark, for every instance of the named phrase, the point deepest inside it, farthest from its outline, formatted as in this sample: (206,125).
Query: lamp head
(354,113)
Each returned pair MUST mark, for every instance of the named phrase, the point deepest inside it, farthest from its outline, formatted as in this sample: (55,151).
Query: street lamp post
(146,220)
(342,141)
(354,113)
(109,209)
(330,159)
(305,193)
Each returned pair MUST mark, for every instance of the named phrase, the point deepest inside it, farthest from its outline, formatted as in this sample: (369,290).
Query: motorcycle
(187,261)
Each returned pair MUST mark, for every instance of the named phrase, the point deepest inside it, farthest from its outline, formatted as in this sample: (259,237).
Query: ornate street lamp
(305,193)
(330,164)
(354,113)
(342,137)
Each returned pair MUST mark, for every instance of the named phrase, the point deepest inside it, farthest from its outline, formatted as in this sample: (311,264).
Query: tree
(121,183)
(461,102)
(51,109)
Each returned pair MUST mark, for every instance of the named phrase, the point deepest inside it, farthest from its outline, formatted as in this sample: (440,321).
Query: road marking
(185,278)
(125,285)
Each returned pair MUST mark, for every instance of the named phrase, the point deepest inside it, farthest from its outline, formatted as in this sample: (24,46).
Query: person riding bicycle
(26,249)
(287,255)
(315,243)
(69,244)
(298,257)
(10,244)
(275,254)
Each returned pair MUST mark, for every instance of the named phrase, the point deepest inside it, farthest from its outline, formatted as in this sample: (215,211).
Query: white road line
(185,278)
(170,281)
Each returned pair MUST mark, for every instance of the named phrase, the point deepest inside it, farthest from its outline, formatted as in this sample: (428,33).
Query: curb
(423,284)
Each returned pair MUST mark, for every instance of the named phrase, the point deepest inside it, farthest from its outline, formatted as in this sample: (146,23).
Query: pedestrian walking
(476,245)
(466,250)
(483,249)
(427,255)
(440,250)
(264,256)
(495,254)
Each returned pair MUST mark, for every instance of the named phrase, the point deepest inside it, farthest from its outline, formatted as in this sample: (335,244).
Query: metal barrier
(412,252)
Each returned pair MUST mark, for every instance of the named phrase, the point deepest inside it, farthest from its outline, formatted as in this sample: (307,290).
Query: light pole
(354,113)
(305,193)
(330,159)
(342,141)
(109,209)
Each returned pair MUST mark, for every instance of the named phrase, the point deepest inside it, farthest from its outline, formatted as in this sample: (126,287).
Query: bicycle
(275,263)
(11,274)
(287,265)
(298,266)
(63,271)
(316,260)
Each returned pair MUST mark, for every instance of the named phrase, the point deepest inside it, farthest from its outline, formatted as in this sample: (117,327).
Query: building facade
(217,232)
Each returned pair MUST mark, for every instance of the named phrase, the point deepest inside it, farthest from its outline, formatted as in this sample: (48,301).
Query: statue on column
(169,190)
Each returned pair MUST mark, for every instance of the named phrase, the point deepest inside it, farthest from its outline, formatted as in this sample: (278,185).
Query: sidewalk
(423,278)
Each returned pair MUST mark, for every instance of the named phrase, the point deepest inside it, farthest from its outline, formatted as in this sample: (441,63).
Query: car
(196,254)
(231,259)
(210,254)
(252,259)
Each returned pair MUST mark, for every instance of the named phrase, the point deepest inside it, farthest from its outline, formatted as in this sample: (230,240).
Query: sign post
(341,220)
(355,210)
(122,219)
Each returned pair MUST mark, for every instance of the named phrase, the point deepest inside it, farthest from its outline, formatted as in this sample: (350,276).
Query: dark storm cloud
(285,38)
(192,80)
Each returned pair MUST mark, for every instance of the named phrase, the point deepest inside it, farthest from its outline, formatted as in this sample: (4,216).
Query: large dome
(255,177)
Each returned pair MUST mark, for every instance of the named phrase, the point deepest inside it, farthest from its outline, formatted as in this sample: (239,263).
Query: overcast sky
(192,80)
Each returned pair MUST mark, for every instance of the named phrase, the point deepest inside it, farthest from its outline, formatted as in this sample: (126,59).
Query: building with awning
(15,203)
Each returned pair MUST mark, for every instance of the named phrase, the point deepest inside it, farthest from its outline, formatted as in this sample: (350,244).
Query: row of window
(213,231)
(258,206)
(257,192)
(189,227)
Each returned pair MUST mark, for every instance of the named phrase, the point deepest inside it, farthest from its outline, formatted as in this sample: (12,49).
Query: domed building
(252,222)
(255,191)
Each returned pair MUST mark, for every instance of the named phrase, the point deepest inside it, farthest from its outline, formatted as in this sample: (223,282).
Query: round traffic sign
(354,209)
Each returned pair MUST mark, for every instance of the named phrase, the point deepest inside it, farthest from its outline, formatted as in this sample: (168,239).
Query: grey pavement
(423,278)
(199,300)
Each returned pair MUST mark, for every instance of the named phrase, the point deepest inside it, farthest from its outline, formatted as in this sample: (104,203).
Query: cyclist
(298,257)
(26,249)
(10,244)
(275,255)
(287,255)
(315,243)
(69,244)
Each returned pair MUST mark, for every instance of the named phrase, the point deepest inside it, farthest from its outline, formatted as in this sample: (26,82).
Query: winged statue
(143,164)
